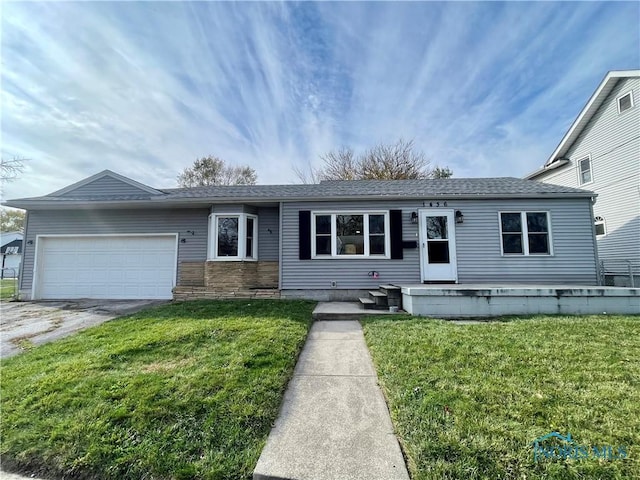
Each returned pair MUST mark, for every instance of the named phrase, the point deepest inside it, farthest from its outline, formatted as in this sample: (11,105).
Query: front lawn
(468,401)
(186,390)
(8,288)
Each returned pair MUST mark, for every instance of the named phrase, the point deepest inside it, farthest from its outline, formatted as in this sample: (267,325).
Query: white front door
(438,245)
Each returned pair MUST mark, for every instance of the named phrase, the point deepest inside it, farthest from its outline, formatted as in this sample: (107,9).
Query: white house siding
(121,221)
(613,142)
(477,246)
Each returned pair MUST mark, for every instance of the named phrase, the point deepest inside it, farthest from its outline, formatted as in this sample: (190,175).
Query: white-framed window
(234,236)
(525,233)
(625,101)
(600,226)
(585,175)
(350,234)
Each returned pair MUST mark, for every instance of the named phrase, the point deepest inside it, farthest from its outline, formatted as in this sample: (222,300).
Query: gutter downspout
(599,278)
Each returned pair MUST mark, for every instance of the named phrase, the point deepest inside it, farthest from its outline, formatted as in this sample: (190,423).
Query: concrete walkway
(334,423)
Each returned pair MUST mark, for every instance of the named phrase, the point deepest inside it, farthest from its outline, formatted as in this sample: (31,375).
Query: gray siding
(268,233)
(477,246)
(613,142)
(57,222)
(104,186)
(225,208)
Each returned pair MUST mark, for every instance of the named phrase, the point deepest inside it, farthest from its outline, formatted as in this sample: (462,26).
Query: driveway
(25,324)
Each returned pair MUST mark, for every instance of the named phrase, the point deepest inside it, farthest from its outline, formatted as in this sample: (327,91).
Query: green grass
(467,401)
(186,390)
(8,288)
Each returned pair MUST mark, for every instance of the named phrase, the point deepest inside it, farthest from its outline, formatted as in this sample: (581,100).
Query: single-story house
(109,236)
(11,252)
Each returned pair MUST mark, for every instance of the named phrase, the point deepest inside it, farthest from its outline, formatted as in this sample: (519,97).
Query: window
(525,233)
(234,236)
(625,102)
(227,228)
(600,226)
(350,234)
(584,170)
(249,236)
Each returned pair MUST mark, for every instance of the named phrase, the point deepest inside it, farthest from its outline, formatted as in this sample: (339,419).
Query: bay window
(233,236)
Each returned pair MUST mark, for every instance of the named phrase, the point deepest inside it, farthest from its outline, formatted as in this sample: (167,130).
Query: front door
(438,245)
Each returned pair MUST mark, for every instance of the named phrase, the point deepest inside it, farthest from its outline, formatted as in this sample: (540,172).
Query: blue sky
(145,88)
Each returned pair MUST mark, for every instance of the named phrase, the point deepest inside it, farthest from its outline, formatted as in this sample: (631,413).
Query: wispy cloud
(145,88)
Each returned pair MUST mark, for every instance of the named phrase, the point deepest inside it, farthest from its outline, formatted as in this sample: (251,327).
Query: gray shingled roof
(502,186)
(328,190)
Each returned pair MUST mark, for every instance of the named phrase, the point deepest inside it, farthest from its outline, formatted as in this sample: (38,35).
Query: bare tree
(10,169)
(339,165)
(306,176)
(396,161)
(212,170)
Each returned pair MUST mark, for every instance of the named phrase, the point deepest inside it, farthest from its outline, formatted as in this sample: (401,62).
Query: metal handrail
(630,271)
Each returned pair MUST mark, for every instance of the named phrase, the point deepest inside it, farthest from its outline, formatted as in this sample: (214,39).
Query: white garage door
(125,267)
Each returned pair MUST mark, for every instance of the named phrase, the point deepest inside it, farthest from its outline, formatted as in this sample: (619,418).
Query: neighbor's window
(584,167)
(601,226)
(350,234)
(234,236)
(525,233)
(625,102)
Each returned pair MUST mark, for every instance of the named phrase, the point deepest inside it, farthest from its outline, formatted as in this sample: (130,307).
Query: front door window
(437,238)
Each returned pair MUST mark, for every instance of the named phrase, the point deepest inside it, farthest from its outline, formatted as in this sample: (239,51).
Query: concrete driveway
(25,324)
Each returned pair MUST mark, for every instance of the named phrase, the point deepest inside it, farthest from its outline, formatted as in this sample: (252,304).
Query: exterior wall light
(414,217)
(459,217)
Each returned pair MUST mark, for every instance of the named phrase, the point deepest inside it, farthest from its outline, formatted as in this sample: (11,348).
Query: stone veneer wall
(229,276)
(191,274)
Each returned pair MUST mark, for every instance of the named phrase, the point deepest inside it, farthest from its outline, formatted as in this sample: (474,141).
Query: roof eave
(565,143)
(205,201)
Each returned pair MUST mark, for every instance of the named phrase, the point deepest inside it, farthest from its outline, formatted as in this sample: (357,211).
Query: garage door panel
(126,267)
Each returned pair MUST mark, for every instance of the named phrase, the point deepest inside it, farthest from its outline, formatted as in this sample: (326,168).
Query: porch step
(367,303)
(389,288)
(394,295)
(380,299)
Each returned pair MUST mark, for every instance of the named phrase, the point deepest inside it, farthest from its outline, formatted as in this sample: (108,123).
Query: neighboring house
(110,237)
(601,152)
(11,251)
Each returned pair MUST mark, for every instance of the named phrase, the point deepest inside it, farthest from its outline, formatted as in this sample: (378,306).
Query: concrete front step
(345,311)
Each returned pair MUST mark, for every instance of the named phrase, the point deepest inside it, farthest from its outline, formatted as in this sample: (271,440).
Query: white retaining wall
(486,301)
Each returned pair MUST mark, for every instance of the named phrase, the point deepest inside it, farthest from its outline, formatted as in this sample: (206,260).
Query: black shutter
(395,225)
(304,226)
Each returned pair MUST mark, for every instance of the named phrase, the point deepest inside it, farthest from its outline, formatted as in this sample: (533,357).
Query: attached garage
(105,266)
